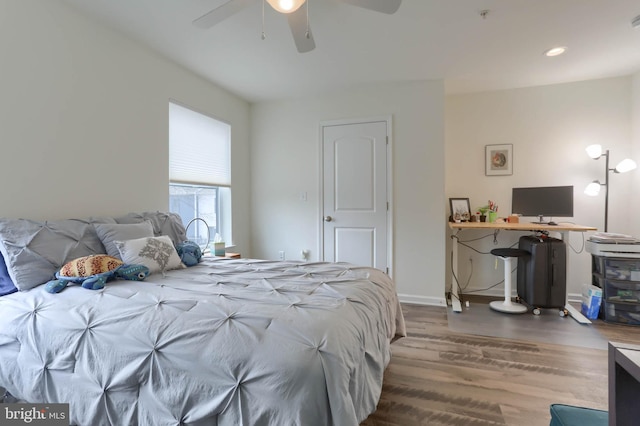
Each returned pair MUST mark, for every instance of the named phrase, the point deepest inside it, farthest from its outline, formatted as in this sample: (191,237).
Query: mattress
(226,342)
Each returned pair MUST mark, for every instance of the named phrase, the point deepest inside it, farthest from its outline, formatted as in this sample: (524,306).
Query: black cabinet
(624,384)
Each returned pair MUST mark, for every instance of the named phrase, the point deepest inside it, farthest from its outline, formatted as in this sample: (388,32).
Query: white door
(355,194)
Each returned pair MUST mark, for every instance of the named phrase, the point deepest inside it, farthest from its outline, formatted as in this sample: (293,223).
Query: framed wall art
(498,160)
(460,209)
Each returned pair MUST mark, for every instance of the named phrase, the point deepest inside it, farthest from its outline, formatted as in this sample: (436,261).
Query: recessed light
(555,51)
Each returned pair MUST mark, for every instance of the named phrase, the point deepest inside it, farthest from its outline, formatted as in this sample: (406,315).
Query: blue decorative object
(6,285)
(190,253)
(569,415)
(129,272)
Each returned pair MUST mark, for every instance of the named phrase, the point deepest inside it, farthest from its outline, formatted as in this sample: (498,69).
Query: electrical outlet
(281,255)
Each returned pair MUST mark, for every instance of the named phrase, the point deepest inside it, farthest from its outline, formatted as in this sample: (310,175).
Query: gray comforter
(226,342)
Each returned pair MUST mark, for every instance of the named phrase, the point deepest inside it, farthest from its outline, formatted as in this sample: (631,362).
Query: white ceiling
(424,39)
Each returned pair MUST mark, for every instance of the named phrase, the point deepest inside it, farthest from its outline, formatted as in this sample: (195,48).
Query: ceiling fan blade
(300,30)
(221,13)
(383,6)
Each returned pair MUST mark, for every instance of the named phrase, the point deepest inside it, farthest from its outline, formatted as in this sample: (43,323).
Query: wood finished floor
(440,377)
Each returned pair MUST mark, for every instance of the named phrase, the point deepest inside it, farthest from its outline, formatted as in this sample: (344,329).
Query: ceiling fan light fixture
(286,6)
(555,51)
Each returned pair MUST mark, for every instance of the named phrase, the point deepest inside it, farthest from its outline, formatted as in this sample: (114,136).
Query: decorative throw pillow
(110,232)
(33,251)
(156,253)
(6,285)
(164,223)
(90,265)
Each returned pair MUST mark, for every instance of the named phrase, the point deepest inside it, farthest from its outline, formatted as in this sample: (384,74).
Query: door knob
(328,218)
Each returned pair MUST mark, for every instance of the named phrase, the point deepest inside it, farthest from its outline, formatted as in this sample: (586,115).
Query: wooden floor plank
(440,377)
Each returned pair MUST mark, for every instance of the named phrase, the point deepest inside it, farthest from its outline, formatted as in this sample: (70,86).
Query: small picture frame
(498,160)
(460,209)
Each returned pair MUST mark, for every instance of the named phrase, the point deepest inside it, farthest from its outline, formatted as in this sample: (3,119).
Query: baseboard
(422,300)
(441,301)
(571,297)
(574,297)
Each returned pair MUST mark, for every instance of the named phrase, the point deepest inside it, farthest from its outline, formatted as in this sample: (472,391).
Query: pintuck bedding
(225,342)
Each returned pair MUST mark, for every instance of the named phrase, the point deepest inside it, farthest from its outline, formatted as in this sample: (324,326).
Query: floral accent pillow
(156,253)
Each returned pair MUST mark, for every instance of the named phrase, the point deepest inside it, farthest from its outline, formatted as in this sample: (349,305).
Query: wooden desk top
(522,226)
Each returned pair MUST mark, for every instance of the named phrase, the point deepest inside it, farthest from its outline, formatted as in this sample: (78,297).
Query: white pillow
(156,253)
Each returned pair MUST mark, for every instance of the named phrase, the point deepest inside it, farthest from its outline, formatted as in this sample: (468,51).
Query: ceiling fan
(296,15)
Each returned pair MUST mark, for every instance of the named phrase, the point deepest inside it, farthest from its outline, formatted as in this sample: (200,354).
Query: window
(200,173)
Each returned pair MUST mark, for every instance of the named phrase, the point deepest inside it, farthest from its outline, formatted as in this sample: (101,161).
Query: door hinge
(387,269)
(387,206)
(387,138)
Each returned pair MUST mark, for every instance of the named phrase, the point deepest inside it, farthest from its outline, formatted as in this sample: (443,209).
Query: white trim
(422,300)
(571,297)
(574,297)
(389,125)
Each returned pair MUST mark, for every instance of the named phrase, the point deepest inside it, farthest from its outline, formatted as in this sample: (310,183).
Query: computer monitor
(543,201)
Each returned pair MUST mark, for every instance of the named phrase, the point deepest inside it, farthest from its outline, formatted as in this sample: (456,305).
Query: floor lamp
(593,189)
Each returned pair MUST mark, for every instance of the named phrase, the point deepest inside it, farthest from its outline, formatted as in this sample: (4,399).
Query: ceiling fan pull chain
(263,34)
(307,34)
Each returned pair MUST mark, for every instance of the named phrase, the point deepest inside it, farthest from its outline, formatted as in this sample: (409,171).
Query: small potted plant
(482,211)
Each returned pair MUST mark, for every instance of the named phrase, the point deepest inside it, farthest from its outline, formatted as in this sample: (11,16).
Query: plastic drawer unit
(622,291)
(619,279)
(617,268)
(622,312)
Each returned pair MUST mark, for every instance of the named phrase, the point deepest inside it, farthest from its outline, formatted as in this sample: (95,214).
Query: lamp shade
(594,151)
(626,165)
(593,188)
(286,6)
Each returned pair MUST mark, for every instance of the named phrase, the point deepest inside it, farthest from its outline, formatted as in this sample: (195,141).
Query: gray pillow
(34,251)
(110,232)
(164,223)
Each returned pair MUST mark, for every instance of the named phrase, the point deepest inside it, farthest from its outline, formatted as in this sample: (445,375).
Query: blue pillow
(6,285)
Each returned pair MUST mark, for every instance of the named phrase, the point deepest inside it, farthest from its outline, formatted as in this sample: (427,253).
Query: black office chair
(507,306)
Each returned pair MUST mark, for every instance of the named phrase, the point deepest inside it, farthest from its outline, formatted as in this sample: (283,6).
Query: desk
(624,384)
(227,255)
(562,228)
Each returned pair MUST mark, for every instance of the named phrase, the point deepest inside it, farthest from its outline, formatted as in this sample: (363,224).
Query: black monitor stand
(540,221)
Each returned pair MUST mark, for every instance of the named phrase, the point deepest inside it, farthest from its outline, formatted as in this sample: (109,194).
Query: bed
(225,342)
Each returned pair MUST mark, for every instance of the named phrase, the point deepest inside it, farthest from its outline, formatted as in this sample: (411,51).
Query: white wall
(285,162)
(549,128)
(84,119)
(634,228)
(83,131)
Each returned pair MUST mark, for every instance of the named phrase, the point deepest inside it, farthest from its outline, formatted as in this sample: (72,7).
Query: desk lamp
(593,189)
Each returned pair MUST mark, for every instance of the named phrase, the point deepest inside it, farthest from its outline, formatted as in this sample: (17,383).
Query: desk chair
(507,306)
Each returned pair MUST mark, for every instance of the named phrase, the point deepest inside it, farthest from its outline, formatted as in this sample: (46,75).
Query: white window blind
(199,148)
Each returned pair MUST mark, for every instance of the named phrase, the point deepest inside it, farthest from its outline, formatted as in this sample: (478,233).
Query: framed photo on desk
(460,209)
